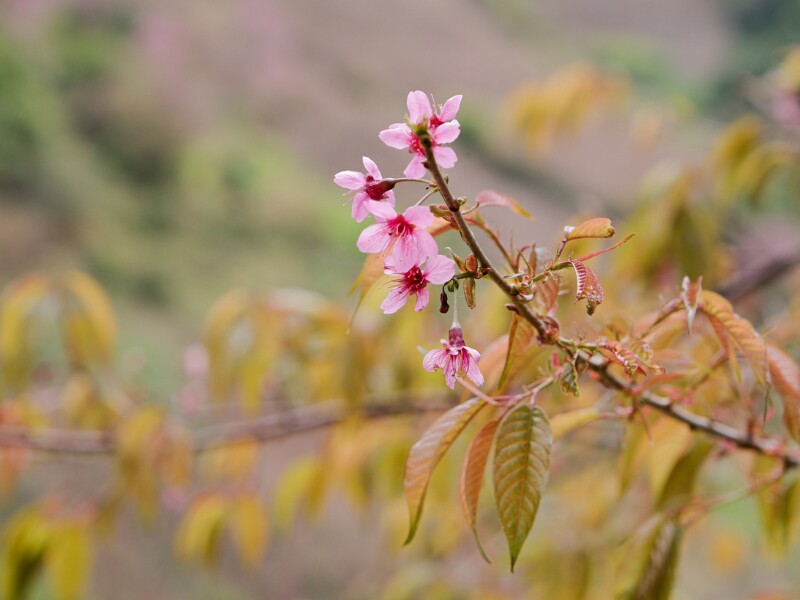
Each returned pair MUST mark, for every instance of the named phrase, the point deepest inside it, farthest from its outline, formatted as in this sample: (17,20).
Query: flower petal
(388,197)
(419,216)
(446,157)
(422,300)
(374,238)
(439,269)
(450,373)
(382,211)
(395,300)
(419,107)
(397,136)
(405,253)
(450,108)
(435,359)
(415,169)
(426,245)
(473,372)
(360,206)
(350,180)
(371,167)
(447,132)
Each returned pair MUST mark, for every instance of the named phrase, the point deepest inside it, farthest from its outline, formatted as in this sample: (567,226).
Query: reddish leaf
(472,472)
(429,450)
(520,336)
(589,286)
(785,375)
(492,198)
(546,293)
(690,297)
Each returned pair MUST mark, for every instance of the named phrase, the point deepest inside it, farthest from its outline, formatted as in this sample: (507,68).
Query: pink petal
(374,207)
(450,108)
(374,238)
(350,180)
(473,353)
(426,245)
(415,169)
(419,107)
(419,216)
(397,136)
(422,300)
(450,374)
(394,301)
(388,197)
(447,132)
(474,373)
(446,157)
(435,359)
(405,253)
(360,206)
(439,269)
(382,211)
(371,167)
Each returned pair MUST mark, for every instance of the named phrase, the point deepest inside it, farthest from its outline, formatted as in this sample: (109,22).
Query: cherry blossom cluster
(410,253)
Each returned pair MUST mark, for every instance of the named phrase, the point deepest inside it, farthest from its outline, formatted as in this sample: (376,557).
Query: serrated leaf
(67,560)
(588,287)
(247,522)
(492,198)
(567,422)
(546,293)
(624,356)
(682,478)
(427,453)
(569,380)
(593,228)
(785,374)
(690,296)
(730,327)
(521,469)
(520,336)
(471,481)
(654,572)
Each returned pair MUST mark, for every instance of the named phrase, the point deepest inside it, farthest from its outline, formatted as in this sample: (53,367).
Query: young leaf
(471,481)
(546,294)
(785,375)
(427,453)
(520,336)
(370,273)
(492,198)
(730,327)
(655,568)
(247,520)
(569,380)
(682,478)
(690,297)
(593,228)
(521,469)
(67,560)
(589,286)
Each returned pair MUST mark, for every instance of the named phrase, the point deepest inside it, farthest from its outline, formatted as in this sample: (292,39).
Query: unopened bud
(471,263)
(444,307)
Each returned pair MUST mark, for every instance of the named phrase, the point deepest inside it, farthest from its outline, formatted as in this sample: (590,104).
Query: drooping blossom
(455,359)
(370,188)
(440,123)
(437,270)
(402,235)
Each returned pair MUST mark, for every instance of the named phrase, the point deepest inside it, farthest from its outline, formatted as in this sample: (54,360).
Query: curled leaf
(593,228)
(690,297)
(785,374)
(589,286)
(492,198)
(569,380)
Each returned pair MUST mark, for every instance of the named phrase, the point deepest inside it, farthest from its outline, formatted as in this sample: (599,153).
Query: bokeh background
(179,149)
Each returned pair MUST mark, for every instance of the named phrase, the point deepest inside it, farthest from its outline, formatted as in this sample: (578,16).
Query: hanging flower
(370,188)
(404,235)
(455,359)
(414,281)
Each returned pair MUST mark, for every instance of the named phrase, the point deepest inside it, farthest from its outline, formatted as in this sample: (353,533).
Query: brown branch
(598,364)
(262,429)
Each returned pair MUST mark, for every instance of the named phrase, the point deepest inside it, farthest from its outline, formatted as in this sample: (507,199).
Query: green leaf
(682,478)
(469,486)
(569,380)
(427,453)
(521,469)
(653,572)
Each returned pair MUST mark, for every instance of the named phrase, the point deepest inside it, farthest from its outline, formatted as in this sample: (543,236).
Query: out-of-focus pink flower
(455,359)
(370,188)
(437,270)
(440,123)
(404,235)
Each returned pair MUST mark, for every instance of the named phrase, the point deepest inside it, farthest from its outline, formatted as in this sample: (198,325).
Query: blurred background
(178,149)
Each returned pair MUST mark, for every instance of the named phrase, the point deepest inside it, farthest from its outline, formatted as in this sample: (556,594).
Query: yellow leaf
(292,490)
(68,559)
(565,423)
(88,320)
(247,523)
(593,228)
(785,374)
(25,539)
(19,301)
(198,534)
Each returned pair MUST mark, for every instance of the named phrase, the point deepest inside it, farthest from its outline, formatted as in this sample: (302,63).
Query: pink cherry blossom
(455,359)
(370,188)
(440,123)
(404,235)
(437,270)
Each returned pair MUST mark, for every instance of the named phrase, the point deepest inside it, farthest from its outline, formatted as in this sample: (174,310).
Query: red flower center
(399,227)
(413,280)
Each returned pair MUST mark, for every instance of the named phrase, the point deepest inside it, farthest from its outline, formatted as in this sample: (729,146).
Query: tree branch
(598,364)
